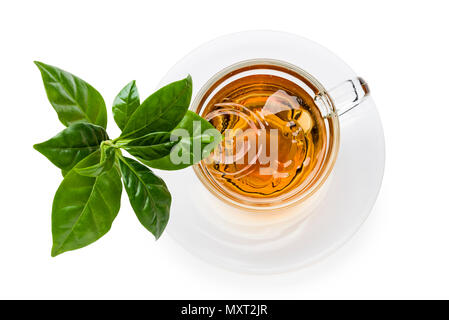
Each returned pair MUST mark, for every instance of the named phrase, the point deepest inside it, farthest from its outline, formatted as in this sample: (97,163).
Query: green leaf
(72,144)
(72,98)
(107,160)
(196,143)
(84,207)
(151,146)
(125,103)
(161,111)
(147,194)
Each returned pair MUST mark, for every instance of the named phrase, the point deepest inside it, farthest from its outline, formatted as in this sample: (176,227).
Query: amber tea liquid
(248,111)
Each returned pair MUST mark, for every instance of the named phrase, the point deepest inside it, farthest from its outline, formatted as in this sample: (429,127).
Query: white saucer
(216,233)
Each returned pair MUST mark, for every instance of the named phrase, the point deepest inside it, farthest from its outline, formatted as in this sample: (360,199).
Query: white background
(400,47)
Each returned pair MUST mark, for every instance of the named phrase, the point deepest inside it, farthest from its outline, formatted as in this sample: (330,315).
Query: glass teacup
(281,132)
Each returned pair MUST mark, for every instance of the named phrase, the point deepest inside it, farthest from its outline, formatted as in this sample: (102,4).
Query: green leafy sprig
(88,199)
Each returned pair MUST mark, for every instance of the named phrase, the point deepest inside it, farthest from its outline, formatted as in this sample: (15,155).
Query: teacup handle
(349,94)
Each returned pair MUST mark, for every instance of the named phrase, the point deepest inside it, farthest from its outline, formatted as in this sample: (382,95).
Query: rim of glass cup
(322,100)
